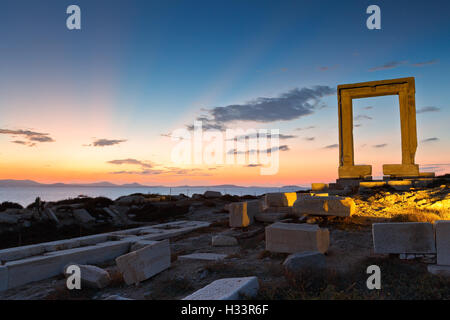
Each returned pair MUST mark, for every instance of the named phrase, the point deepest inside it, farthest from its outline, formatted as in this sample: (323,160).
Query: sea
(27,195)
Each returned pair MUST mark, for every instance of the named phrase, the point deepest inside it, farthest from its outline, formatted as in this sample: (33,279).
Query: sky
(102,103)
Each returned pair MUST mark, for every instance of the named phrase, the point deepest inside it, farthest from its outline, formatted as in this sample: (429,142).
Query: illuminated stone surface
(319,186)
(280,199)
(403,237)
(292,237)
(325,206)
(239,216)
(405,89)
(227,289)
(401,185)
(242,213)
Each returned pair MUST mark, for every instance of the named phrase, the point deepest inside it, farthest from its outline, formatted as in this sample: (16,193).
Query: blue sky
(155,64)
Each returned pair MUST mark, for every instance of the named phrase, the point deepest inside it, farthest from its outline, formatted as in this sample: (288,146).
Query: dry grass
(273,255)
(171,288)
(116,278)
(400,280)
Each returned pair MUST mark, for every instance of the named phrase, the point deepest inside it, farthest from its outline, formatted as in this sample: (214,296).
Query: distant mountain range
(31,183)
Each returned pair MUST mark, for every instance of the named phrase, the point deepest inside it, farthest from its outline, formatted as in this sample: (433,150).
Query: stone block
(372,184)
(3,278)
(305,261)
(401,170)
(285,210)
(400,185)
(223,241)
(116,297)
(355,172)
(139,244)
(442,271)
(280,199)
(203,256)
(8,218)
(325,206)
(144,263)
(270,216)
(51,215)
(94,239)
(227,289)
(442,228)
(61,245)
(319,186)
(403,237)
(292,238)
(82,216)
(239,215)
(17,253)
(32,269)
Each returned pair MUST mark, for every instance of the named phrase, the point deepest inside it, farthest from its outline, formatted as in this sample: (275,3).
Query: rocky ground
(350,252)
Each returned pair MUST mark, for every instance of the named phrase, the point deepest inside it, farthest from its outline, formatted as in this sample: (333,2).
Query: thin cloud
(31,136)
(428,109)
(253,165)
(327,68)
(430,140)
(256,136)
(142,172)
(425,63)
(387,66)
(306,128)
(380,145)
(130,161)
(268,150)
(363,117)
(309,138)
(107,142)
(331,146)
(291,105)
